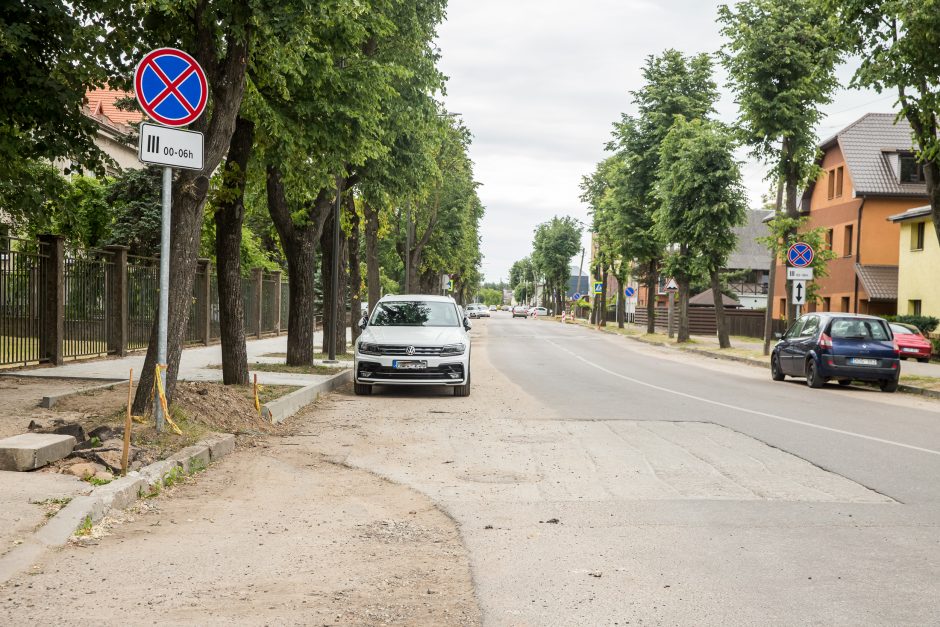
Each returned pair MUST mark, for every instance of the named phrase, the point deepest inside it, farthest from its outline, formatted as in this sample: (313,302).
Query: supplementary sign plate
(171,87)
(171,147)
(799,292)
(799,274)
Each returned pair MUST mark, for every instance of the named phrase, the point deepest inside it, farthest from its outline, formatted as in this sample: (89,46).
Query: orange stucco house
(868,174)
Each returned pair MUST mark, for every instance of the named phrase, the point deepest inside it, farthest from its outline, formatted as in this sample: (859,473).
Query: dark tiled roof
(910,214)
(705,299)
(880,282)
(868,145)
(748,253)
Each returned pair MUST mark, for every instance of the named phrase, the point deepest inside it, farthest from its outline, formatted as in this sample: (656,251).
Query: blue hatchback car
(844,347)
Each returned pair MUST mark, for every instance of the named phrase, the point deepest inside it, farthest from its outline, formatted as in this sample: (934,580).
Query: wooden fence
(741,322)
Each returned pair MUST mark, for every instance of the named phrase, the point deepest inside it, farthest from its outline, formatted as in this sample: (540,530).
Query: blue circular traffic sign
(800,255)
(630,292)
(171,87)
(576,296)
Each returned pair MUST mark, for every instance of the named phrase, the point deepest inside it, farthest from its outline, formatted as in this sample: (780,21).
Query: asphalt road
(600,481)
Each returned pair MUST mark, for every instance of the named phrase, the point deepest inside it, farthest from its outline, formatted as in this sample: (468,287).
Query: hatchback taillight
(825,341)
(894,343)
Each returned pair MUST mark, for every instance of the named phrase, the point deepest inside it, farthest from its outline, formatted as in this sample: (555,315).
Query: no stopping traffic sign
(171,87)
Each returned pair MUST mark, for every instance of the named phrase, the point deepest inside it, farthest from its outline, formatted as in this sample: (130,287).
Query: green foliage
(781,56)
(491,296)
(701,195)
(555,243)
(785,231)
(926,324)
(134,197)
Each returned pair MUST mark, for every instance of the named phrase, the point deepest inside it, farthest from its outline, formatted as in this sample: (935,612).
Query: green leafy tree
(673,85)
(781,57)
(556,242)
(896,41)
(702,201)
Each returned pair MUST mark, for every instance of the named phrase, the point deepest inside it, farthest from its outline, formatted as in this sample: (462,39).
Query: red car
(911,341)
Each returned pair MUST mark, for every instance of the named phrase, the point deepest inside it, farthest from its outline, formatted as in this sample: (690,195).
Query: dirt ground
(276,534)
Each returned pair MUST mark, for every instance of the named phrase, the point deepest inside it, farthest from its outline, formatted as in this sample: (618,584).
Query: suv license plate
(400,364)
(860,361)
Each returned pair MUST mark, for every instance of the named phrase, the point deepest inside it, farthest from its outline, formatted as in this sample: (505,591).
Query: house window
(911,171)
(917,235)
(827,303)
(847,242)
(913,307)
(831,175)
(845,304)
(829,239)
(840,173)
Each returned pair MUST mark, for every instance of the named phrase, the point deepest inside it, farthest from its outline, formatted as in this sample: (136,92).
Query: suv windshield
(415,314)
(858,329)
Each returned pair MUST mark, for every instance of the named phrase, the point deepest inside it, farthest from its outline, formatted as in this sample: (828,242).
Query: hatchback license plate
(861,361)
(908,349)
(400,364)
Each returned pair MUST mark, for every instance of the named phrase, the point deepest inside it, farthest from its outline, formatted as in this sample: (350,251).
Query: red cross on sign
(171,87)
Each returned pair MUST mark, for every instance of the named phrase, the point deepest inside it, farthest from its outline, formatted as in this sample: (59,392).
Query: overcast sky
(540,82)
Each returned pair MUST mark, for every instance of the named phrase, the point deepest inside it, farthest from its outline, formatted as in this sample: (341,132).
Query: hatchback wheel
(775,372)
(889,385)
(923,360)
(813,378)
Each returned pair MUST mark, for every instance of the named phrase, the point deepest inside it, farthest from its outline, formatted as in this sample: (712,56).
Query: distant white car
(538,311)
(413,340)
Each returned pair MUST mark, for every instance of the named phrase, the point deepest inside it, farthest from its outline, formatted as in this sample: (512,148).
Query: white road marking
(744,409)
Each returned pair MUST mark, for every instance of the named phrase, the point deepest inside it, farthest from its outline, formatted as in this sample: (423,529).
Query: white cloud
(540,83)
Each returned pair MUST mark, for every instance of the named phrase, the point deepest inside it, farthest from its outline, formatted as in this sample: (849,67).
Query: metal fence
(57,304)
(22,301)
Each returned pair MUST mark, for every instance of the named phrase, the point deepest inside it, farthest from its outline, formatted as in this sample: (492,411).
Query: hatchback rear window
(858,329)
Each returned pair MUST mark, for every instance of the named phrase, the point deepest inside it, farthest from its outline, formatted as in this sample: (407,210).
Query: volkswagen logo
(410,350)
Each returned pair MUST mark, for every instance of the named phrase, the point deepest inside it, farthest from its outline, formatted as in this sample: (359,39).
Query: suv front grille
(422,351)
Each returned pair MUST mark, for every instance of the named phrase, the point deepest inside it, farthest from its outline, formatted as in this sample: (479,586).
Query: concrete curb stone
(280,409)
(118,494)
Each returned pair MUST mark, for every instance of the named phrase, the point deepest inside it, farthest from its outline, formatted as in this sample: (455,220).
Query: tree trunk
(621,301)
(791,179)
(373,272)
(229,218)
(683,334)
(355,272)
(226,80)
(602,315)
(723,340)
(300,248)
(652,281)
(326,274)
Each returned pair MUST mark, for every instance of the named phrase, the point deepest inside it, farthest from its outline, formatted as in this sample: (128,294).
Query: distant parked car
(844,347)
(492,307)
(520,311)
(473,310)
(911,341)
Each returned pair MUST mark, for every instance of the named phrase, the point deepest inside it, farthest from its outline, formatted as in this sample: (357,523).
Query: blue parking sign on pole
(576,296)
(629,292)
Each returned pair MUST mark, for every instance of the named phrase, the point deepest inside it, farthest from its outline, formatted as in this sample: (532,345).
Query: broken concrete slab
(193,456)
(220,445)
(29,451)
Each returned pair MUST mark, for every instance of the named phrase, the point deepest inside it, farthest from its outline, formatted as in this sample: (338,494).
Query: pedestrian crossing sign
(598,287)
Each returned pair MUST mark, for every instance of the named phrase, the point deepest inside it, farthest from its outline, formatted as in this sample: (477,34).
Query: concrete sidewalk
(194,365)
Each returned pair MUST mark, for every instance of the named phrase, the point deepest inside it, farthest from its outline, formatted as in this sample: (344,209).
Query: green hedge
(927,324)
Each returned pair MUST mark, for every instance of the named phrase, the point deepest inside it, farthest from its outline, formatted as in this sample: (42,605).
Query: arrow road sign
(171,87)
(629,292)
(799,292)
(172,147)
(800,255)
(598,287)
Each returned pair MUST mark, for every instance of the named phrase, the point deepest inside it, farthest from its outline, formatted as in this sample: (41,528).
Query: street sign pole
(334,287)
(671,307)
(164,314)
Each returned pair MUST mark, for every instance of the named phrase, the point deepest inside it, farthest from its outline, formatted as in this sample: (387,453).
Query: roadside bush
(927,324)
(936,347)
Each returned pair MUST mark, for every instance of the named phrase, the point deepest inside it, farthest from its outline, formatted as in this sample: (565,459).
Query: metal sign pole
(335,309)
(669,315)
(163,316)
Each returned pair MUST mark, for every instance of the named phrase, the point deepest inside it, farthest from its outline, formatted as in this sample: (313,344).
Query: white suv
(413,340)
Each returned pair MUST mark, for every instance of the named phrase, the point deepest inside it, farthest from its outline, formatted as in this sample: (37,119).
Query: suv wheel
(463,390)
(775,372)
(889,385)
(813,378)
(361,389)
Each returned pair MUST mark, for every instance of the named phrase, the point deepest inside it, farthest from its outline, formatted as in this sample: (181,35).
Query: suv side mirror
(363,322)
(466,323)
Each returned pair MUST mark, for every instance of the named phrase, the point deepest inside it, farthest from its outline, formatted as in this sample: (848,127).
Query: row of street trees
(312,104)
(668,197)
(554,244)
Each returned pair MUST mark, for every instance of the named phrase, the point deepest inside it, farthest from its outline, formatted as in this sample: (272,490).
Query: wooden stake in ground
(257,401)
(127,424)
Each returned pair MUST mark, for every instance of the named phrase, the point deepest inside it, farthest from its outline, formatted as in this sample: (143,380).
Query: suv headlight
(453,349)
(367,348)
